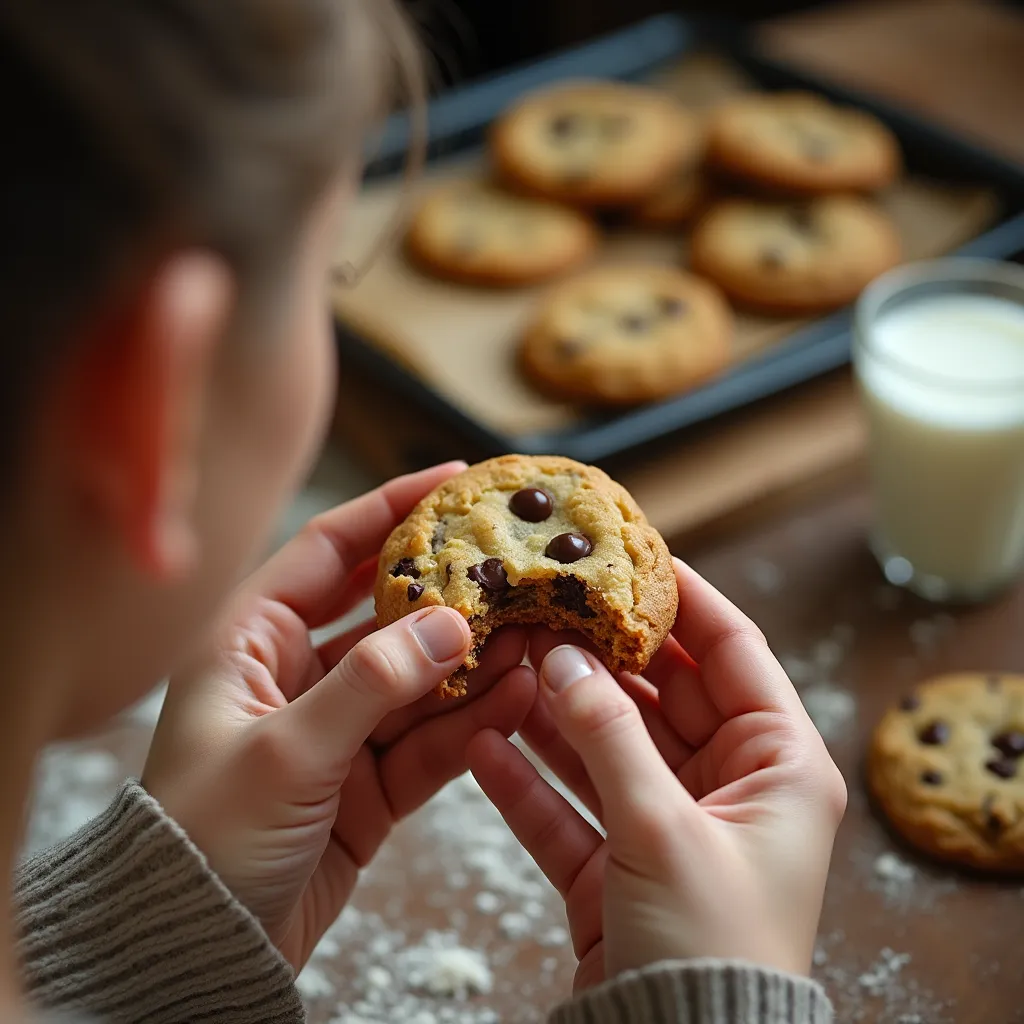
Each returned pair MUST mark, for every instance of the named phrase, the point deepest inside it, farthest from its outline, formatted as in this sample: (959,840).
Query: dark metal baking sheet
(459,119)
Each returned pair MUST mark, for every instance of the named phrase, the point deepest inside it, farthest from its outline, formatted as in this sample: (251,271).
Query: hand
(288,765)
(718,796)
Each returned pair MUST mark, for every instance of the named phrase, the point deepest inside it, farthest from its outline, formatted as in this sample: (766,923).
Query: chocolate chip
(1009,743)
(490,575)
(571,594)
(568,547)
(801,218)
(911,702)
(532,504)
(405,567)
(670,305)
(930,777)
(437,539)
(633,323)
(564,125)
(934,734)
(1004,767)
(415,591)
(568,348)
(772,258)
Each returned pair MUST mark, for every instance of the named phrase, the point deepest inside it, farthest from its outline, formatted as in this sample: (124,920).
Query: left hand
(288,765)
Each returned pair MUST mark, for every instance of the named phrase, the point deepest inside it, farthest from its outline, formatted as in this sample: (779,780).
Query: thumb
(384,671)
(604,726)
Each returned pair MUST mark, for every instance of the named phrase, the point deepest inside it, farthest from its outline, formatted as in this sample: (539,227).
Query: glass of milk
(939,354)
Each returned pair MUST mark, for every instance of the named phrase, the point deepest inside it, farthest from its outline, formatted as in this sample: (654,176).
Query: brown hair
(131,128)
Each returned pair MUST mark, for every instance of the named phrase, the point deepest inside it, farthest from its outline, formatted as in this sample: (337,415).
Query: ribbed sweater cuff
(700,992)
(125,922)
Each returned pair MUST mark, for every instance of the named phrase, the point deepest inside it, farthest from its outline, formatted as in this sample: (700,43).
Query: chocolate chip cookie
(594,143)
(533,540)
(801,142)
(626,334)
(480,235)
(677,202)
(794,257)
(947,768)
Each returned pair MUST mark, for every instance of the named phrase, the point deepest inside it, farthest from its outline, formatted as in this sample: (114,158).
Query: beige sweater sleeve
(700,992)
(124,922)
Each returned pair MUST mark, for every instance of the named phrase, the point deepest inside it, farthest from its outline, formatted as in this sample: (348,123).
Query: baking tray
(458,121)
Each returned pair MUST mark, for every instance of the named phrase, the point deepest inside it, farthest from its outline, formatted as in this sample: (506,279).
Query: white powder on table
(831,708)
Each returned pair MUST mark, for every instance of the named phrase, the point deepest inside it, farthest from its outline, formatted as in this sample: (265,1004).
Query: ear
(140,389)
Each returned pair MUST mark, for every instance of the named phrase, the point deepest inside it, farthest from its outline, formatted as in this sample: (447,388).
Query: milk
(943,382)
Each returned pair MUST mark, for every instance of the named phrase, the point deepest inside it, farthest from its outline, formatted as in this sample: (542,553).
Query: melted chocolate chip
(1004,767)
(934,734)
(633,323)
(568,547)
(405,567)
(772,258)
(415,591)
(670,305)
(564,125)
(910,703)
(532,504)
(571,594)
(930,777)
(568,348)
(801,218)
(490,575)
(1009,743)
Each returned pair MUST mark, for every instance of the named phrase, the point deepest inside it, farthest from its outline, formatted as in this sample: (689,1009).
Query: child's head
(173,177)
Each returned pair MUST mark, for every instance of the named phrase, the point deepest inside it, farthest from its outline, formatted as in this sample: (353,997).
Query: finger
(672,747)
(685,701)
(384,671)
(544,640)
(309,573)
(605,728)
(504,650)
(543,821)
(332,651)
(739,671)
(542,737)
(423,760)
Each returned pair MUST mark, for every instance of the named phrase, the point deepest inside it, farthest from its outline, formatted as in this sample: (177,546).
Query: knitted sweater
(124,922)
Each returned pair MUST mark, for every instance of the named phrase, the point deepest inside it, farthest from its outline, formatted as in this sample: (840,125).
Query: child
(175,174)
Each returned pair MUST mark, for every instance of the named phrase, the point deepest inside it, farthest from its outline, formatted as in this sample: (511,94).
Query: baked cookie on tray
(594,143)
(947,768)
(533,539)
(800,142)
(795,257)
(627,333)
(677,202)
(480,235)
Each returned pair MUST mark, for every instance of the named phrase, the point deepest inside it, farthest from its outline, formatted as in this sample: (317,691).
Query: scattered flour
(890,868)
(443,968)
(515,925)
(880,976)
(314,984)
(764,576)
(486,902)
(831,708)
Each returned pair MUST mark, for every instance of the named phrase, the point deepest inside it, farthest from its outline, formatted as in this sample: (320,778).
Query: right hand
(718,796)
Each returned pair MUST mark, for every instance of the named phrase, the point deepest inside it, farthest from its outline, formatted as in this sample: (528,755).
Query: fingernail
(563,667)
(439,634)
